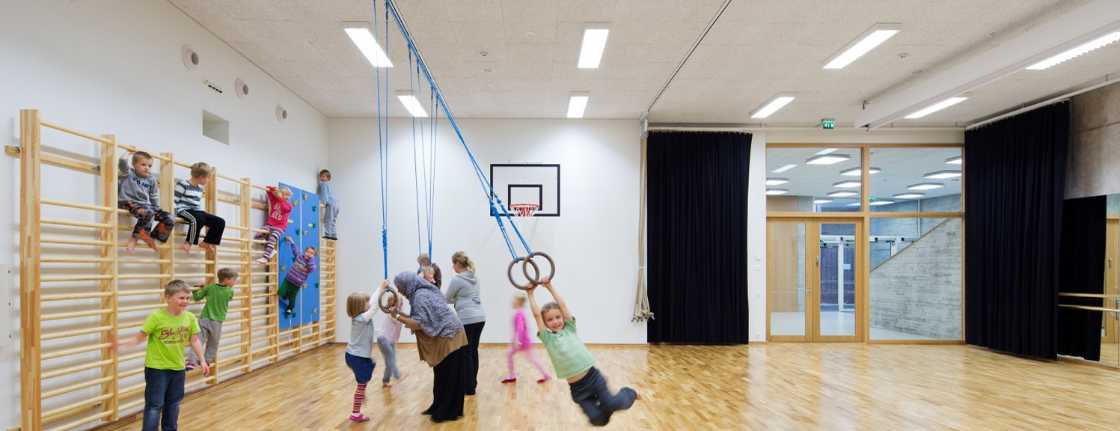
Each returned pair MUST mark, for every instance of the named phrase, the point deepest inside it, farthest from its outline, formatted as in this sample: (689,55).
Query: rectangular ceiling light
(880,203)
(784,168)
(954,160)
(855,172)
(846,184)
(942,175)
(577,103)
(776,181)
(1076,51)
(361,36)
(863,44)
(412,104)
(826,151)
(822,201)
(772,106)
(775,192)
(909,195)
(924,186)
(843,194)
(591,51)
(827,159)
(935,107)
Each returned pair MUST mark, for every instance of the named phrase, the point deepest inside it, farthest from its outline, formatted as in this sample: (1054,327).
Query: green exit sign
(828,123)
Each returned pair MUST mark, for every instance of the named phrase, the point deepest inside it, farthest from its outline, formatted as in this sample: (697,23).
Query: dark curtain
(697,237)
(1013,201)
(1082,268)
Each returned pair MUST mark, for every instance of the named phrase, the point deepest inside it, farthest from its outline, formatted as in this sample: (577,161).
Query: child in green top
(574,363)
(213,313)
(167,332)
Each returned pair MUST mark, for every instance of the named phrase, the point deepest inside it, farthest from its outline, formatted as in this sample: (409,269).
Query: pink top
(278,210)
(389,328)
(521,330)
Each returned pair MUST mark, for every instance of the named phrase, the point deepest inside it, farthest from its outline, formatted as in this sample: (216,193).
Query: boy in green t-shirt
(574,363)
(167,332)
(213,313)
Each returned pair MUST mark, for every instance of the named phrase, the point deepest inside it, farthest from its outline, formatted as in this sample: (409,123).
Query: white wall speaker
(281,113)
(191,59)
(241,88)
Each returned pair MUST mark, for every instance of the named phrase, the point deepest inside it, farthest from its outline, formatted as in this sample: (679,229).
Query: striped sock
(359,396)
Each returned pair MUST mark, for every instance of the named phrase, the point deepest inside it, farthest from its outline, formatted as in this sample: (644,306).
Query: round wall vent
(241,88)
(190,58)
(281,113)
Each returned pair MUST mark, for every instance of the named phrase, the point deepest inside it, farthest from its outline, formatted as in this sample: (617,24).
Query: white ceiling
(757,49)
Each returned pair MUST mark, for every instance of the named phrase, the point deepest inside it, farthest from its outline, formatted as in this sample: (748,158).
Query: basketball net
(523,210)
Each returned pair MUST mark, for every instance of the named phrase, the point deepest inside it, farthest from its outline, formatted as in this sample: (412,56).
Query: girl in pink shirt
(279,209)
(522,343)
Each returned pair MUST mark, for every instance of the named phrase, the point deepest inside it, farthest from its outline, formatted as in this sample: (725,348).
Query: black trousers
(449,387)
(596,400)
(215,226)
(474,333)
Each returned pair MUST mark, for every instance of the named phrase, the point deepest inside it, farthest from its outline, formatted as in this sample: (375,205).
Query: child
(167,331)
(278,211)
(426,266)
(138,192)
(521,343)
(213,314)
(302,264)
(573,361)
(359,351)
(389,333)
(330,209)
(188,205)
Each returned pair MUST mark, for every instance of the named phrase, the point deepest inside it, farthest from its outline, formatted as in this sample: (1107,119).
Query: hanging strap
(382,146)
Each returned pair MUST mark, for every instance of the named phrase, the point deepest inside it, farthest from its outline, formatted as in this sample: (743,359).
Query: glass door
(836,306)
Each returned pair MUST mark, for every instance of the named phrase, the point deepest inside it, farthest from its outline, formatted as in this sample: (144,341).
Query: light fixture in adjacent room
(843,194)
(935,107)
(577,104)
(821,201)
(412,104)
(847,184)
(954,160)
(909,195)
(778,102)
(855,172)
(784,168)
(924,186)
(827,159)
(775,192)
(1076,51)
(863,44)
(942,175)
(776,181)
(826,151)
(591,50)
(363,38)
(880,203)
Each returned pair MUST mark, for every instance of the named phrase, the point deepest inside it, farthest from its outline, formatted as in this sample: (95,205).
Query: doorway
(813,288)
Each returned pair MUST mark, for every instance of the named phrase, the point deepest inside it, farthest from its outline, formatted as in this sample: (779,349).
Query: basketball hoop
(524,210)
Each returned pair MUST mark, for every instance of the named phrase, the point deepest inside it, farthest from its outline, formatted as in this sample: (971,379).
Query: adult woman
(440,339)
(463,293)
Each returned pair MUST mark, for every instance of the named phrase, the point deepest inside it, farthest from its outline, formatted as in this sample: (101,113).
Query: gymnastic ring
(536,280)
(509,273)
(385,308)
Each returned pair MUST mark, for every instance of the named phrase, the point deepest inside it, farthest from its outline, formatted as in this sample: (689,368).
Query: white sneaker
(262,261)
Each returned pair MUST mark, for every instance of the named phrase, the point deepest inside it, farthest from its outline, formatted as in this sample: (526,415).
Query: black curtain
(1013,201)
(697,237)
(1082,268)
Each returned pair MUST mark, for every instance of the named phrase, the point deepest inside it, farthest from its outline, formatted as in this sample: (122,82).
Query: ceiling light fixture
(826,151)
(924,186)
(849,184)
(863,44)
(412,104)
(822,201)
(1076,51)
(909,195)
(776,181)
(942,175)
(784,168)
(577,104)
(855,172)
(362,37)
(774,192)
(954,160)
(827,159)
(772,106)
(935,107)
(880,203)
(591,51)
(843,194)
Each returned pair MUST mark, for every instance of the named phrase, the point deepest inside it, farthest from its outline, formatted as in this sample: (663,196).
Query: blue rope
(415,161)
(383,148)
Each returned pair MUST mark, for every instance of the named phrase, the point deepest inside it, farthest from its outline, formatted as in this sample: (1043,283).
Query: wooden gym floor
(763,386)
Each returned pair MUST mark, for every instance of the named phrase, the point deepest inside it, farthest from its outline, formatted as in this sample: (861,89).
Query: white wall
(114,67)
(594,241)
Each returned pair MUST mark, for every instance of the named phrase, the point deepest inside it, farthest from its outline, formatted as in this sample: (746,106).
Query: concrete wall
(1094,148)
(918,291)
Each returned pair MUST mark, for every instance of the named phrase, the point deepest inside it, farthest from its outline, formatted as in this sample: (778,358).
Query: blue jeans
(330,216)
(163,390)
(596,400)
(389,352)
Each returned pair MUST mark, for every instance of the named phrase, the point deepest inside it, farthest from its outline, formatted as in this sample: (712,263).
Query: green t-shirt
(568,354)
(168,336)
(217,301)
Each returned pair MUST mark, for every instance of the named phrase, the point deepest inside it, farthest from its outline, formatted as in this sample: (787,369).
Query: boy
(574,363)
(188,205)
(138,192)
(330,209)
(213,313)
(302,265)
(167,331)
(429,270)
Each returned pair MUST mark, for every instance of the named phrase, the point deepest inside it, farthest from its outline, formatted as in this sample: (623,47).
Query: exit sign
(828,123)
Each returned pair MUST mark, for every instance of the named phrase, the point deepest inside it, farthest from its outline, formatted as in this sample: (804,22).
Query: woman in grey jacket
(464,294)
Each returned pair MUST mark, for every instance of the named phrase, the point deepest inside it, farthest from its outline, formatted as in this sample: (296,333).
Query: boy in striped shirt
(188,206)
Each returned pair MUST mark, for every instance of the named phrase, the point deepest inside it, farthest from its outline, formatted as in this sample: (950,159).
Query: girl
(521,343)
(389,333)
(574,363)
(296,277)
(463,292)
(439,340)
(167,332)
(278,211)
(359,351)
